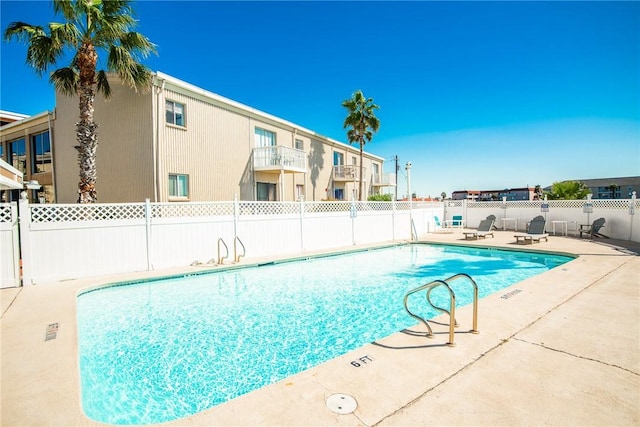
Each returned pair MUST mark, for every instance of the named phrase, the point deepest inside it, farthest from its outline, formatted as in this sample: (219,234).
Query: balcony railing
(383,180)
(279,158)
(347,172)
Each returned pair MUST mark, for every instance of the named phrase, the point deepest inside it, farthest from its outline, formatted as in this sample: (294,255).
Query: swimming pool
(165,349)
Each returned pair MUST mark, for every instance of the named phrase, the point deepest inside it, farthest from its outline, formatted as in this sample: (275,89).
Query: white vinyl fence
(10,259)
(65,241)
(622,223)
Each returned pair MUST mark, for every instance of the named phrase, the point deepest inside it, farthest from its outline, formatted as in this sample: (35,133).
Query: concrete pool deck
(561,348)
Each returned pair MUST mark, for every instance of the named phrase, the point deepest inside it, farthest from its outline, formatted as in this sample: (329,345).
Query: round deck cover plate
(341,403)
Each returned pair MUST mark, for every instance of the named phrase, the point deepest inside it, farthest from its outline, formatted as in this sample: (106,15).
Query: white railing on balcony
(383,179)
(348,172)
(278,157)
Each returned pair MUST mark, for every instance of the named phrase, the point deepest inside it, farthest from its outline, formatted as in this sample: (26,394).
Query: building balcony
(278,158)
(383,180)
(348,173)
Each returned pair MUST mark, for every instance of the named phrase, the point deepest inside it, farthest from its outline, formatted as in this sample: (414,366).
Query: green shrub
(379,198)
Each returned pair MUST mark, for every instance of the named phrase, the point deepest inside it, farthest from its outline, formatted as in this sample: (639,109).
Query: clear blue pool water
(162,350)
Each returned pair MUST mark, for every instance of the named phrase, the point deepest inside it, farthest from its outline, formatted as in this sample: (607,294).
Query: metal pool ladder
(236,256)
(452,306)
(221,258)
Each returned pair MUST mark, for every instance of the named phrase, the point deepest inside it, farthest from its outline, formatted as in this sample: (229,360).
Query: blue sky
(477,95)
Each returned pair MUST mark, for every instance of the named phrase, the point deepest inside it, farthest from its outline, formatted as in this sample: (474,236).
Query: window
(354,160)
(40,153)
(266,192)
(265,138)
(299,191)
(338,158)
(175,113)
(338,193)
(299,144)
(178,185)
(18,155)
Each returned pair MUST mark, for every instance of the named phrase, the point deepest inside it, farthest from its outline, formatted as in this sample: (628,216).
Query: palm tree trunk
(360,191)
(86,127)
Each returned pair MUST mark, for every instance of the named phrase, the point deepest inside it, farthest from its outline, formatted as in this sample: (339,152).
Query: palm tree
(91,26)
(538,193)
(362,123)
(612,190)
(568,190)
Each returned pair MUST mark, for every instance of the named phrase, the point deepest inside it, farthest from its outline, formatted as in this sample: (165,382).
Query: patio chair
(535,231)
(484,229)
(493,218)
(456,221)
(593,230)
(439,226)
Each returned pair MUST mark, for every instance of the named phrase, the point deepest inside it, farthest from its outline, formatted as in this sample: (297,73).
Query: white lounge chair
(484,229)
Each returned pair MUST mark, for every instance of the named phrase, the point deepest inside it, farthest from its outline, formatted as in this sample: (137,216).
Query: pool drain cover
(341,403)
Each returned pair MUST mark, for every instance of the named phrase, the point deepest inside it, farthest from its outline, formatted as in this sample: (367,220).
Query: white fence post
(353,214)
(236,212)
(147,221)
(632,211)
(393,220)
(24,213)
(302,223)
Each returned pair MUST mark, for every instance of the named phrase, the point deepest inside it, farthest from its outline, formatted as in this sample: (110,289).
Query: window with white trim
(41,153)
(264,138)
(175,113)
(178,186)
(299,144)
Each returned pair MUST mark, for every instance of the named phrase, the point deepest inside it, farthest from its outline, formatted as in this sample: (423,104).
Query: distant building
(525,193)
(610,188)
(7,117)
(26,145)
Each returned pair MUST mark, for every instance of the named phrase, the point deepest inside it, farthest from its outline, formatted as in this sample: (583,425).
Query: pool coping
(40,379)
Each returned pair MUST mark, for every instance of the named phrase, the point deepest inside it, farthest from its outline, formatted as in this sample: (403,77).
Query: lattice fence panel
(403,206)
(269,208)
(86,212)
(575,204)
(374,206)
(191,210)
(5,213)
(318,207)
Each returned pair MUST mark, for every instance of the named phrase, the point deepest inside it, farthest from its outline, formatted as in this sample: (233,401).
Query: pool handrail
(236,256)
(474,330)
(452,311)
(226,248)
(452,318)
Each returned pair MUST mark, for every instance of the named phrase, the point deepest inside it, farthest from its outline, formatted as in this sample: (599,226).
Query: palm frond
(64,34)
(142,78)
(66,7)
(42,52)
(65,80)
(137,43)
(22,31)
(102,84)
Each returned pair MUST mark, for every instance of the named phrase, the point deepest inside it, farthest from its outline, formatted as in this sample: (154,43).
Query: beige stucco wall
(124,157)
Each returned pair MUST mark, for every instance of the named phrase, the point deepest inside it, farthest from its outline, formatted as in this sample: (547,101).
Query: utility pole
(397,170)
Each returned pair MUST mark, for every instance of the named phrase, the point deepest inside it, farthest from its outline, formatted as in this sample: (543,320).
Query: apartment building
(26,145)
(613,188)
(180,142)
(524,193)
